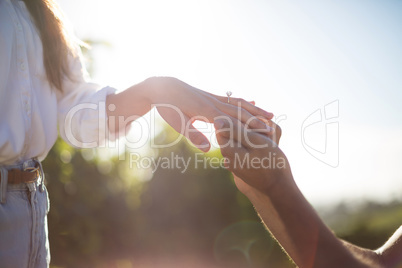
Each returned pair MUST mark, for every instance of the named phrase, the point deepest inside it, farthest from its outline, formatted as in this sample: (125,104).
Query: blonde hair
(57,43)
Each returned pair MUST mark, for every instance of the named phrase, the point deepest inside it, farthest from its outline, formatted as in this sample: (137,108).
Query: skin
(285,211)
(194,104)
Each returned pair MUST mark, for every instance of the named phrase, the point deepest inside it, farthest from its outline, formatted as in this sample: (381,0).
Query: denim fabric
(23,226)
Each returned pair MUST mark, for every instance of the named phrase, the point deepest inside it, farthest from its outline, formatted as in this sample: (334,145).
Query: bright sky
(292,58)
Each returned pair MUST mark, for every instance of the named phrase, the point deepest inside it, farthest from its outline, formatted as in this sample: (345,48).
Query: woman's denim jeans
(23,226)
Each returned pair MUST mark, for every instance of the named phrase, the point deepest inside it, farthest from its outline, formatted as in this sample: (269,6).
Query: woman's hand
(180,105)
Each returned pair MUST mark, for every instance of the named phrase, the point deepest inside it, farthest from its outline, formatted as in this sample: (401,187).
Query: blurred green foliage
(105,213)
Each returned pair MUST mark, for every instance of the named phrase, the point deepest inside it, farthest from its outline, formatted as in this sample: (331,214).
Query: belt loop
(3,185)
(42,175)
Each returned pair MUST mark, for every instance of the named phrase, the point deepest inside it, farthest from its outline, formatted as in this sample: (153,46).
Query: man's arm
(299,230)
(391,252)
(367,256)
(285,211)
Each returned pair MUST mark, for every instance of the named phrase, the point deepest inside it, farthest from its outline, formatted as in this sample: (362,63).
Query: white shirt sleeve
(82,107)
(31,111)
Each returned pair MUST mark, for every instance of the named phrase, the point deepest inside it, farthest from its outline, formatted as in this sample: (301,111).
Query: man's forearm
(298,228)
(390,254)
(367,256)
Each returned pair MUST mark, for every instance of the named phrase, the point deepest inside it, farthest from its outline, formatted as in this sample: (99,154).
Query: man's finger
(232,151)
(249,120)
(232,129)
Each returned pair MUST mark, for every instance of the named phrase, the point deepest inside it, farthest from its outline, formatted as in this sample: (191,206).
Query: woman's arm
(180,105)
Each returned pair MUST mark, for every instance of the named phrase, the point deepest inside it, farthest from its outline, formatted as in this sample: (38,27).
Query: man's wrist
(278,185)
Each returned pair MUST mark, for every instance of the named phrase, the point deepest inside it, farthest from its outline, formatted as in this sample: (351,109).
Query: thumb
(182,124)
(196,137)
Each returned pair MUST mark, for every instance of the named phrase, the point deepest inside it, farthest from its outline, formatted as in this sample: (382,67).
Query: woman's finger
(252,109)
(214,106)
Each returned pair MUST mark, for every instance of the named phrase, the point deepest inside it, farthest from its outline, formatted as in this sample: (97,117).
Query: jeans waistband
(23,165)
(4,186)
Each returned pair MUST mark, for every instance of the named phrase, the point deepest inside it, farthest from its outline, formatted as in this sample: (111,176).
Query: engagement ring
(229,93)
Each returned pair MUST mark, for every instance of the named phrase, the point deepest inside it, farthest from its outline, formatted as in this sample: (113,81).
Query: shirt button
(22,66)
(19,27)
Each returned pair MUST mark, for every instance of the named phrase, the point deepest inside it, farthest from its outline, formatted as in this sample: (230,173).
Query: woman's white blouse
(31,111)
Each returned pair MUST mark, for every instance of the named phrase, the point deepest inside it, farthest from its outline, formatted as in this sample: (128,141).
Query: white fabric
(30,110)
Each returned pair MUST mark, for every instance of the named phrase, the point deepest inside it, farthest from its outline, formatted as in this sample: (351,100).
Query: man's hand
(263,174)
(275,136)
(254,157)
